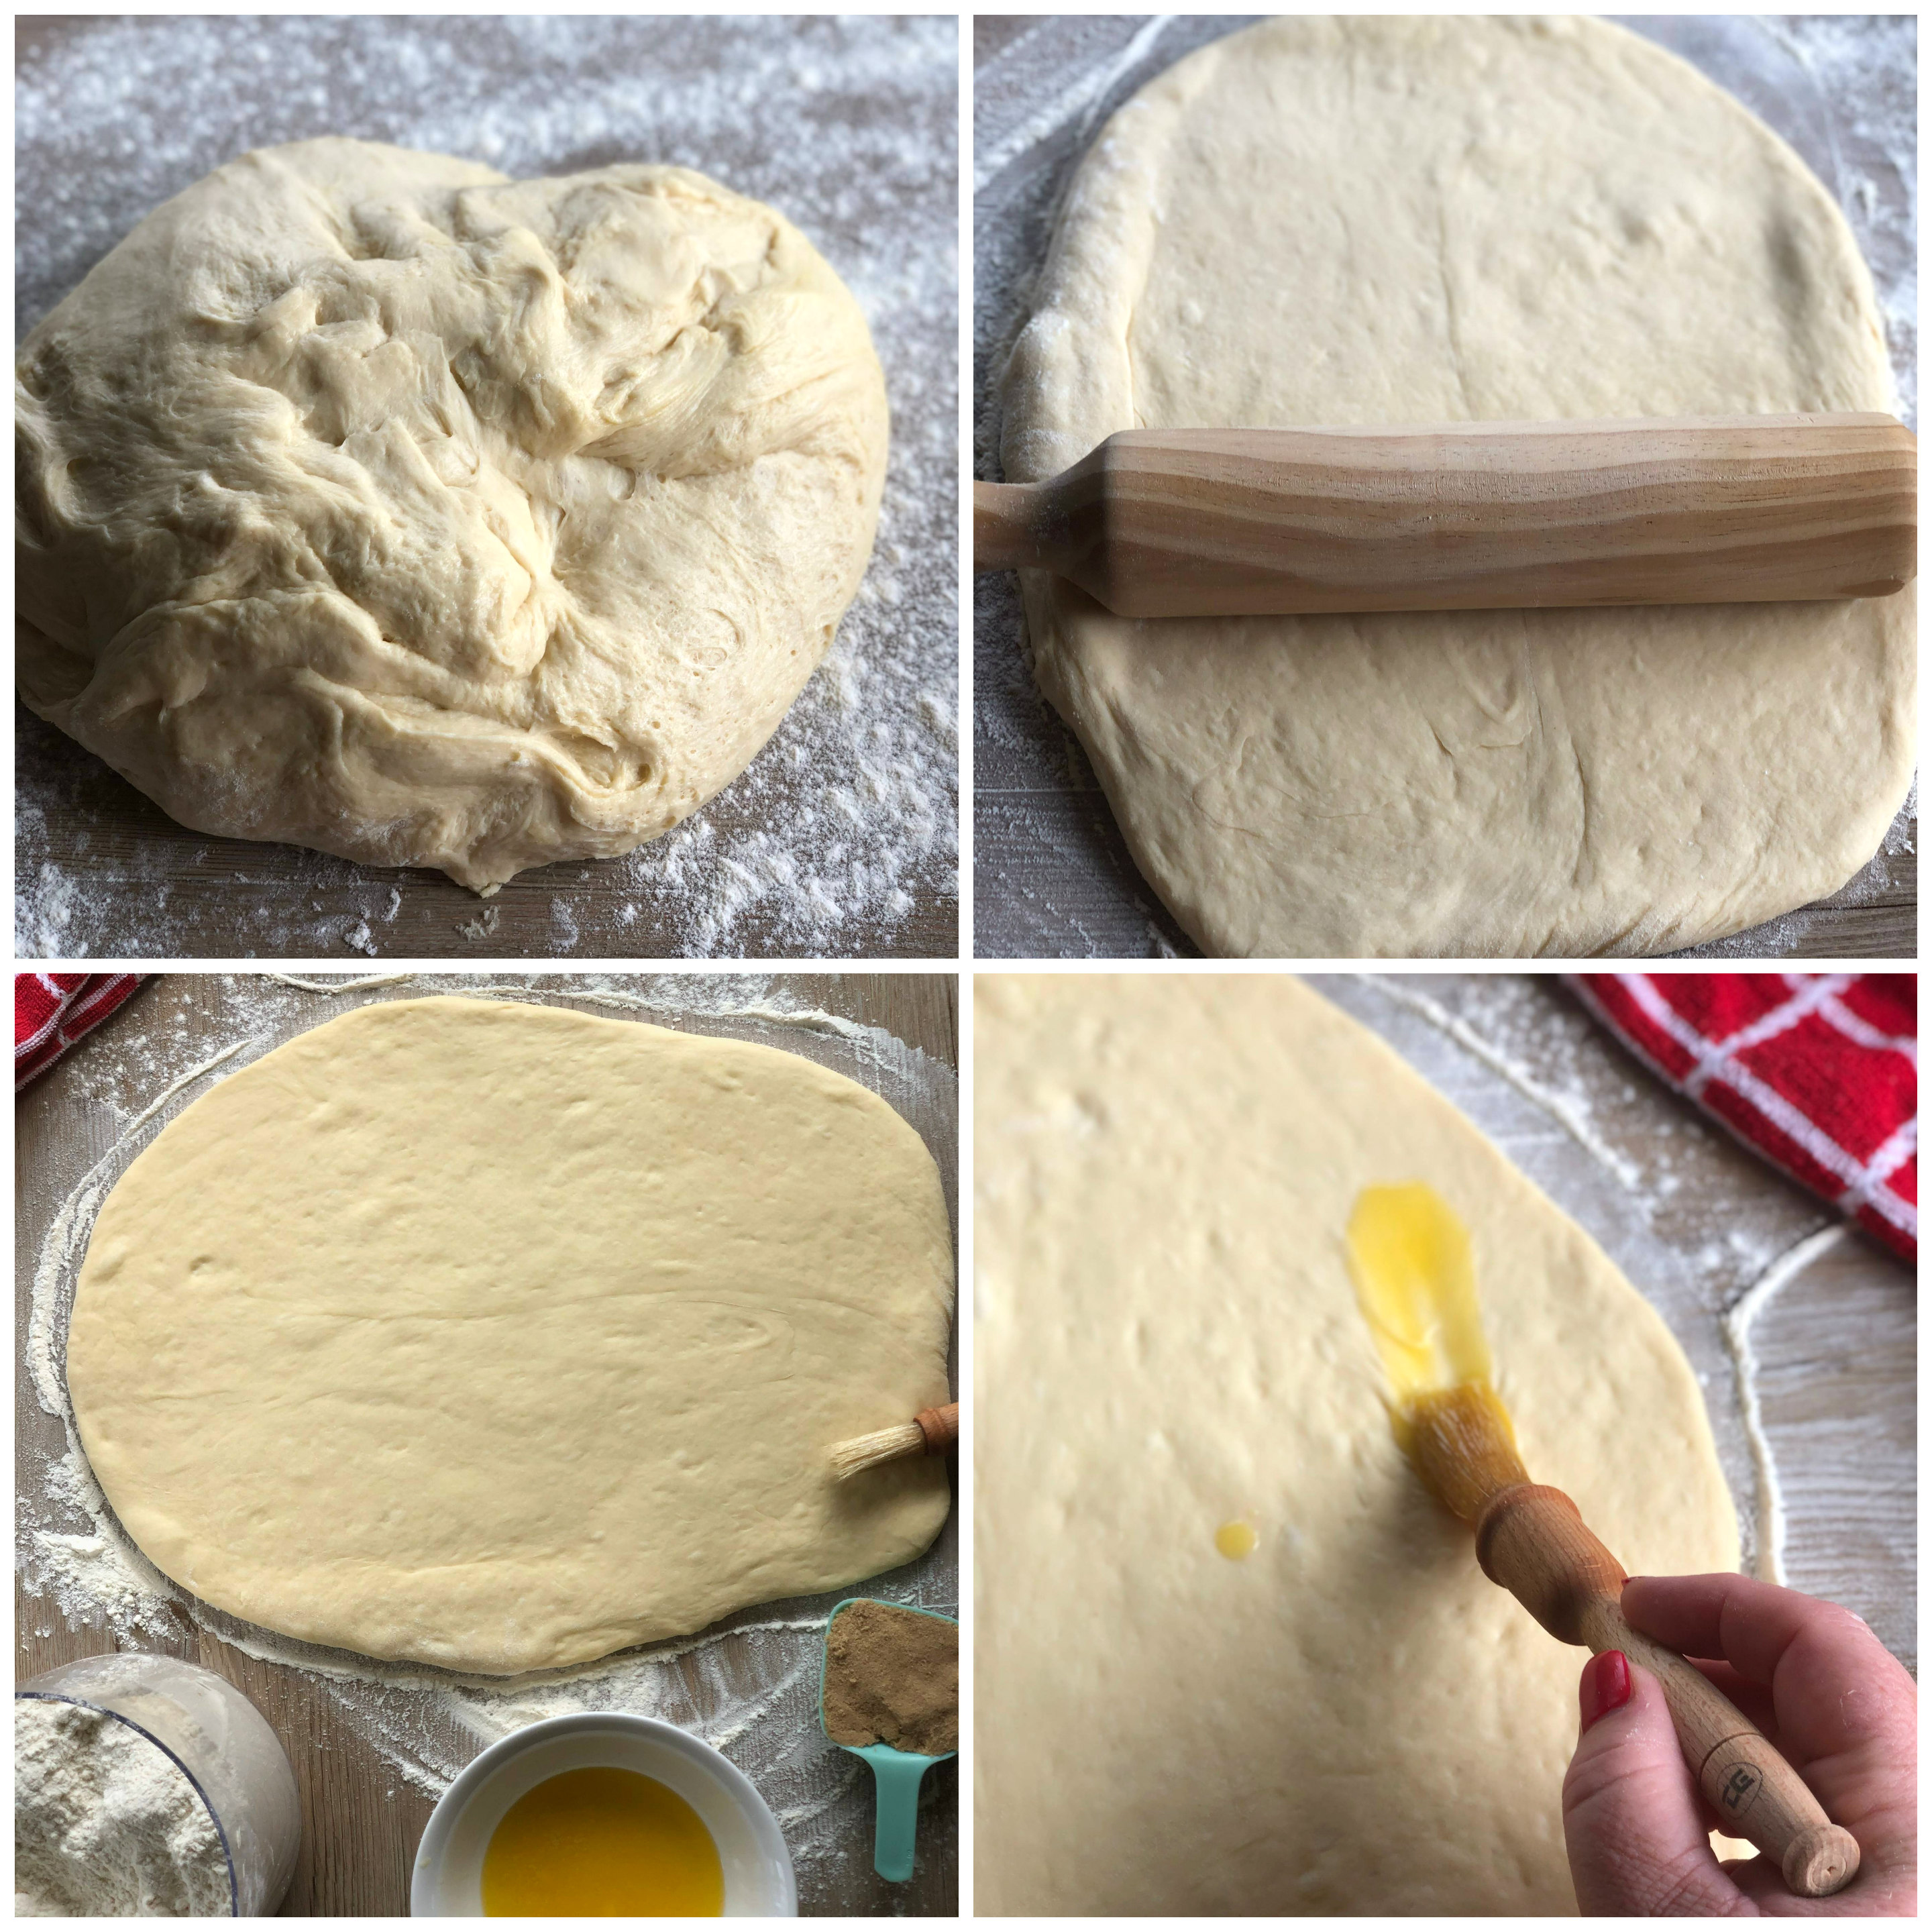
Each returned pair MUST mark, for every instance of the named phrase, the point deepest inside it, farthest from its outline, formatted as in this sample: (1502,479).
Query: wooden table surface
(361,1820)
(1052,874)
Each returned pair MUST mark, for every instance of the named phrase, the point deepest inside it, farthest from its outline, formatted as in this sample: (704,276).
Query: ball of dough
(373,502)
(1397,219)
(501,1336)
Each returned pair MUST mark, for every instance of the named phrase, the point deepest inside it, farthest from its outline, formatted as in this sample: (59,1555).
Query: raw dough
(501,1337)
(374,502)
(1416,219)
(1352,1719)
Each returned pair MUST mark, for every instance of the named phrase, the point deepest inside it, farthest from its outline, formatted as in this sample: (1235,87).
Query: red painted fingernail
(1606,1686)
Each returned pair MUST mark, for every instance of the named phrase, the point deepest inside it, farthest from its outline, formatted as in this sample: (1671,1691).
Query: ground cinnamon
(892,1676)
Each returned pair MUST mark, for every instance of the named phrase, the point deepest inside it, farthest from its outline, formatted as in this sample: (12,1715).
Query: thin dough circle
(1351,1719)
(501,1337)
(1414,219)
(374,502)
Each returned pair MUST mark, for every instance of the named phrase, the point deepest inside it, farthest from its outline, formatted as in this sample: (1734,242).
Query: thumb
(1636,1841)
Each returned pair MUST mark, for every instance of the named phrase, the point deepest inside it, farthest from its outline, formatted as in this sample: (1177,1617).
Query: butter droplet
(1235,1540)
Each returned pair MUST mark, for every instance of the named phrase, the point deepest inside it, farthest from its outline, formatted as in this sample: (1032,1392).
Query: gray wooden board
(841,839)
(365,1749)
(1052,875)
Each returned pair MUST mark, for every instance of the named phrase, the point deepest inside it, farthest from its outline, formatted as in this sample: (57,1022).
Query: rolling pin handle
(1005,518)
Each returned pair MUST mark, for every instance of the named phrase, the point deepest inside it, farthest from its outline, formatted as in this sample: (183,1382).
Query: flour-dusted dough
(1414,219)
(500,1337)
(1353,1719)
(371,501)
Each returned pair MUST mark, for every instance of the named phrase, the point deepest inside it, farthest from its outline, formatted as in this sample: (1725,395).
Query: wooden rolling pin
(1471,516)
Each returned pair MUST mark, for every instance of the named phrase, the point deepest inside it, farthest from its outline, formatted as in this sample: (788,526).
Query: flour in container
(106,1824)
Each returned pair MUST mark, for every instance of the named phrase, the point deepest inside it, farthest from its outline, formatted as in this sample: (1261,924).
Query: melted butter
(602,1843)
(1235,1540)
(1415,1279)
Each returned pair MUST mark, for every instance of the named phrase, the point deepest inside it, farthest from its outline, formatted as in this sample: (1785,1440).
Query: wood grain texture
(361,1820)
(1460,516)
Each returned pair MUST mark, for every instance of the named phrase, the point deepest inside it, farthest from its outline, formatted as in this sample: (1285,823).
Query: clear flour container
(220,1741)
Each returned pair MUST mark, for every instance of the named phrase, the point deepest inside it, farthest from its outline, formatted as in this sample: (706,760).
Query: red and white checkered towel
(1818,1071)
(51,1010)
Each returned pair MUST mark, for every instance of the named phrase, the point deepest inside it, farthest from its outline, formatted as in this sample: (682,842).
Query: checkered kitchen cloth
(51,1010)
(1818,1071)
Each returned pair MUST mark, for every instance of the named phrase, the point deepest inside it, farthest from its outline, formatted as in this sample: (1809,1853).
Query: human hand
(1839,1707)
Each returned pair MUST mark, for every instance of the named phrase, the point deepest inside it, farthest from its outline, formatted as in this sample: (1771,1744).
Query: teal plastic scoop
(896,1775)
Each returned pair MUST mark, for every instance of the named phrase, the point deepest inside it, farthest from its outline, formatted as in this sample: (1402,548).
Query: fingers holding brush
(1633,1823)
(1802,1648)
(1845,1712)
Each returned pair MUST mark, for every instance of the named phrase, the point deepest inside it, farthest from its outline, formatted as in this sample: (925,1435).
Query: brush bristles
(883,1445)
(1463,1446)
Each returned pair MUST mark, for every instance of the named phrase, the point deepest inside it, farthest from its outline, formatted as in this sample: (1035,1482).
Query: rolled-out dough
(1394,219)
(1351,1718)
(370,500)
(499,1336)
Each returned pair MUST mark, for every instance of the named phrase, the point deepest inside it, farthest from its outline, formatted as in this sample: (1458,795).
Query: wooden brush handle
(939,1426)
(1471,516)
(1532,1541)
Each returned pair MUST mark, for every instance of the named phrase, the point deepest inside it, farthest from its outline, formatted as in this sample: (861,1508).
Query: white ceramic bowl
(448,1882)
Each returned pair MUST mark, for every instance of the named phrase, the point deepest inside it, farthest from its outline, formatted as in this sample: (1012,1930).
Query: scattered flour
(1738,1320)
(106,1824)
(1571,1113)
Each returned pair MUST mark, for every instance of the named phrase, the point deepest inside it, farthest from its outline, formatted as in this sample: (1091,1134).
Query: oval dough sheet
(1352,1719)
(1408,219)
(372,501)
(500,1337)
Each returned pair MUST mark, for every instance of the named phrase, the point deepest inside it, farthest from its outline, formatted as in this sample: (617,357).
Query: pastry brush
(1471,516)
(931,1433)
(1409,1256)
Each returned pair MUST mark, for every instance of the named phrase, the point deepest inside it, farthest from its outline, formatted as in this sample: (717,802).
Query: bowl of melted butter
(602,1815)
